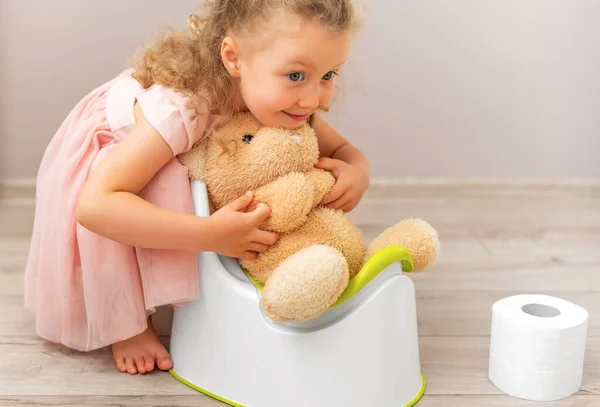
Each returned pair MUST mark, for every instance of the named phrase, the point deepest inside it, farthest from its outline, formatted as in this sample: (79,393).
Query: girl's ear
(230,56)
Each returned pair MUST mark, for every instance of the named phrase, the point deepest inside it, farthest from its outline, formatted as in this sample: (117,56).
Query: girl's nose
(310,99)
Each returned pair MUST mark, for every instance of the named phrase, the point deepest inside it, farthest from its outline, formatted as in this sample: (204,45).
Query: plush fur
(319,250)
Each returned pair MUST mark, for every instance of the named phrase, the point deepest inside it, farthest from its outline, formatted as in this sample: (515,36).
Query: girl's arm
(333,145)
(347,164)
(109,206)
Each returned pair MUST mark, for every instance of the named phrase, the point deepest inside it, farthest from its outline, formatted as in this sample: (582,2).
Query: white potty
(362,352)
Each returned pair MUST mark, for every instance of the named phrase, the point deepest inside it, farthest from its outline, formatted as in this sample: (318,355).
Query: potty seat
(363,351)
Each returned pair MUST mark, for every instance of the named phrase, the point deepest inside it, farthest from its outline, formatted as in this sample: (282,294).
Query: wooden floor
(497,241)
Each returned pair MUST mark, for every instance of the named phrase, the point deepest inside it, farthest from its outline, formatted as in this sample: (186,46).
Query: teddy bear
(319,249)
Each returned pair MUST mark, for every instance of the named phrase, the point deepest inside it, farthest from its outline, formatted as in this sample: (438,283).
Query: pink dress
(88,291)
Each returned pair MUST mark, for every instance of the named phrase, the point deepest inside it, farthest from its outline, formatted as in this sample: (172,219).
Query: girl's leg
(112,305)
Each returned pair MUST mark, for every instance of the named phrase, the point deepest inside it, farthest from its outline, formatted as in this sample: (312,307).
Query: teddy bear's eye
(247,138)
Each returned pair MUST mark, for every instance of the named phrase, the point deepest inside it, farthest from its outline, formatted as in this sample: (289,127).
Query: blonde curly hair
(189,61)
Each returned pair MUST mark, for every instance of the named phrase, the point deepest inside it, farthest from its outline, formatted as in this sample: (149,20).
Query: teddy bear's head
(242,155)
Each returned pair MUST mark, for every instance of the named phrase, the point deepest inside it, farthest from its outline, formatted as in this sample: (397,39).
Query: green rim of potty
(411,403)
(375,265)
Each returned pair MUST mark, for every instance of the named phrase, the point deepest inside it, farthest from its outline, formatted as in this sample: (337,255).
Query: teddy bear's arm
(194,160)
(290,198)
(322,182)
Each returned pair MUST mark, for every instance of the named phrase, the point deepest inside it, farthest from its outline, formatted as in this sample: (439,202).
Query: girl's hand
(235,232)
(351,184)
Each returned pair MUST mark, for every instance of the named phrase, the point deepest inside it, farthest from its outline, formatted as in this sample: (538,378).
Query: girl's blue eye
(296,76)
(328,75)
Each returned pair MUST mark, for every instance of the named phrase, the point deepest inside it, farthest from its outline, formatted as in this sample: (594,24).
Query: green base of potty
(412,403)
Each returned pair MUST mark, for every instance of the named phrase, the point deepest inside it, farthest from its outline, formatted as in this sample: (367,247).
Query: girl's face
(289,74)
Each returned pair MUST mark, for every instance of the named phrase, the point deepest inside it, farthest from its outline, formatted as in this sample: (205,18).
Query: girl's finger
(348,206)
(258,247)
(328,164)
(341,201)
(249,255)
(264,237)
(336,192)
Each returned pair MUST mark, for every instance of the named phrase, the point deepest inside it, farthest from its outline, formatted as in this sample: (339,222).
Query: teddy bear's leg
(324,226)
(418,236)
(334,228)
(305,284)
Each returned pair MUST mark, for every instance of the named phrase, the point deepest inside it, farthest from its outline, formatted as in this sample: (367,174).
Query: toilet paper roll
(537,347)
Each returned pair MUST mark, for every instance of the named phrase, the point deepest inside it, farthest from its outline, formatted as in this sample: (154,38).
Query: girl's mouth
(296,117)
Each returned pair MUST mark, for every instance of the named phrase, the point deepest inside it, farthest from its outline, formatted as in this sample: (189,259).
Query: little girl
(114,234)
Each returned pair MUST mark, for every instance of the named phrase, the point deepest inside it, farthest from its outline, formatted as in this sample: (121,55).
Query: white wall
(53,52)
(498,81)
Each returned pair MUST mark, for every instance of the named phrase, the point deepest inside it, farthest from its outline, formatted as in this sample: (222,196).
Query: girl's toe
(131,369)
(149,365)
(140,364)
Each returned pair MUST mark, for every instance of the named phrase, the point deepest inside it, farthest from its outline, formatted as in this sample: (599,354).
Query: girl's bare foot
(141,353)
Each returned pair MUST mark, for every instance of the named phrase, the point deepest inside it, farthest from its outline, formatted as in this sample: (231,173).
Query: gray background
(445,89)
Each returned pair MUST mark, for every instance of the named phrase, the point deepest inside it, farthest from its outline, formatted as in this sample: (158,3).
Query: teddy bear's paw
(418,236)
(305,284)
(322,182)
(290,199)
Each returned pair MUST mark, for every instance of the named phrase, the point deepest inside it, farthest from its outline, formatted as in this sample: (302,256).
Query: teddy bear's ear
(194,160)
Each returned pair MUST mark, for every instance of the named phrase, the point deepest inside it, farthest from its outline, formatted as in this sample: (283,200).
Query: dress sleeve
(173,116)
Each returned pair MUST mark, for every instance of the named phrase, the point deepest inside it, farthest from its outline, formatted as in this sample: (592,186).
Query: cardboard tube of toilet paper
(537,347)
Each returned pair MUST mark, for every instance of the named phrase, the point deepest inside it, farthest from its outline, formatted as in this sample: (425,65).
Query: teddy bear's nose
(296,138)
